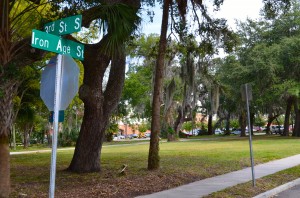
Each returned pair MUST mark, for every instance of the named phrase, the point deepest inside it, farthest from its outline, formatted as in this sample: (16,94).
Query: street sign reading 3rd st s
(56,44)
(64,26)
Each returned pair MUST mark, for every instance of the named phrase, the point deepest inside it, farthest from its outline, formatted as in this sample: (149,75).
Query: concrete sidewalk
(210,185)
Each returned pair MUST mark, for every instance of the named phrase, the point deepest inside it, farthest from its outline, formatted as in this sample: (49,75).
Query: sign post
(247,96)
(48,41)
(55,125)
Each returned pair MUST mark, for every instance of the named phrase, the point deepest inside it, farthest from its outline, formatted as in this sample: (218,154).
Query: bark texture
(4,167)
(271,118)
(99,100)
(209,125)
(296,131)
(289,104)
(153,158)
(227,131)
(243,123)
(98,106)
(6,113)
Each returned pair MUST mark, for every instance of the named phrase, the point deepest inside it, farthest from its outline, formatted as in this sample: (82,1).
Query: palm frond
(118,23)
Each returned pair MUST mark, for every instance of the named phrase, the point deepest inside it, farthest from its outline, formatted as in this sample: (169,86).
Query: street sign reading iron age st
(56,44)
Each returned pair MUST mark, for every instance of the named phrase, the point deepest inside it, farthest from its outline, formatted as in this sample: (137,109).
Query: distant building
(126,129)
(200,118)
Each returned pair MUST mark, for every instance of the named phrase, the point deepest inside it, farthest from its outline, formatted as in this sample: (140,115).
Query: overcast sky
(230,10)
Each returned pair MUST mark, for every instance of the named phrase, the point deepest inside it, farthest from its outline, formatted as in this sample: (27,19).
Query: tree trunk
(6,108)
(98,107)
(271,118)
(26,137)
(6,115)
(218,124)
(153,158)
(182,111)
(252,118)
(171,137)
(181,118)
(227,131)
(4,167)
(179,121)
(209,125)
(243,123)
(296,131)
(287,116)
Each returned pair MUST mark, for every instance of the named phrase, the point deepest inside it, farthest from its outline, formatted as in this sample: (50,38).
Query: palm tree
(15,53)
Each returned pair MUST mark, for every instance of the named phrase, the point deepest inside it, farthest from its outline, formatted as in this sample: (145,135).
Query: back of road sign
(70,76)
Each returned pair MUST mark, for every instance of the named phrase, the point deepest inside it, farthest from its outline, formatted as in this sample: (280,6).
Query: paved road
(293,192)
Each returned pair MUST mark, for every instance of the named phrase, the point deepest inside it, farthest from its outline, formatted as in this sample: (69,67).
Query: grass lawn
(35,147)
(181,162)
(264,184)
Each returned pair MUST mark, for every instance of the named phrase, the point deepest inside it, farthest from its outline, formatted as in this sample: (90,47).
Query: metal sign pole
(57,98)
(250,136)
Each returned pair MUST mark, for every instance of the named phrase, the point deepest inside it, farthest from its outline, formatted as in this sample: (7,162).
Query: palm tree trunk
(9,90)
(4,167)
(4,150)
(153,158)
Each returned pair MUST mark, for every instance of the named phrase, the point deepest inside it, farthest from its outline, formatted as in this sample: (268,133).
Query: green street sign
(64,26)
(56,44)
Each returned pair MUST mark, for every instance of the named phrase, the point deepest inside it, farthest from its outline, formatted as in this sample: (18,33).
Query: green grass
(34,147)
(181,162)
(264,184)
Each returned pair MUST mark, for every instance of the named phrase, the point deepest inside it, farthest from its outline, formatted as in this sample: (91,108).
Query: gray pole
(250,137)
(57,98)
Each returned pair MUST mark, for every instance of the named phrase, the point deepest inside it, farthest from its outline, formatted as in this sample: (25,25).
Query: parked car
(238,132)
(131,136)
(277,129)
(147,134)
(258,128)
(118,137)
(194,132)
(218,131)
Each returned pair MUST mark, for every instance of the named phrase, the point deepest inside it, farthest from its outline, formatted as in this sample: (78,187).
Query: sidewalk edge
(278,189)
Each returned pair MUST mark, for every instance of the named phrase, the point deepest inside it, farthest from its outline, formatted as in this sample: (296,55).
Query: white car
(236,132)
(194,132)
(219,131)
(118,137)
(239,131)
